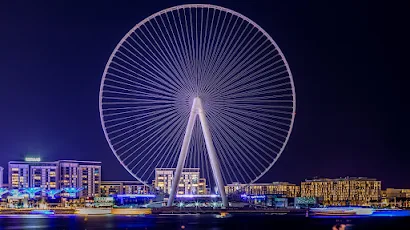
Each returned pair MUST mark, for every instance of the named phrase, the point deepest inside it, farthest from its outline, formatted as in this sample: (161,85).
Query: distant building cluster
(343,191)
(354,191)
(82,179)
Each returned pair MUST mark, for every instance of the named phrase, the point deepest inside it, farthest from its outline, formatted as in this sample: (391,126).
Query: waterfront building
(113,188)
(18,175)
(343,191)
(90,180)
(274,188)
(70,175)
(394,197)
(80,174)
(43,175)
(1,176)
(397,193)
(190,182)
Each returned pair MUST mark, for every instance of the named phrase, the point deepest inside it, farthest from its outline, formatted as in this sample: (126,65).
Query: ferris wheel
(197,86)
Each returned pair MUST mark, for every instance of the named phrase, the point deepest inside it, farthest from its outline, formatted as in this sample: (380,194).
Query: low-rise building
(394,197)
(112,188)
(343,191)
(274,188)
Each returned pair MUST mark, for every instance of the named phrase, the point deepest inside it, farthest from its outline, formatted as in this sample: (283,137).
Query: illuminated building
(279,188)
(43,175)
(343,191)
(398,193)
(190,182)
(32,173)
(110,188)
(396,197)
(1,176)
(90,179)
(68,174)
(63,174)
(81,174)
(18,175)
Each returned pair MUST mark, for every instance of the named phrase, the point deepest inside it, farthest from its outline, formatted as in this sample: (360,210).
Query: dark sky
(349,62)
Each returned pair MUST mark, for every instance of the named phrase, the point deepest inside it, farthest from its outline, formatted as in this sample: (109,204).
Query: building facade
(18,175)
(190,182)
(43,175)
(90,179)
(275,188)
(112,188)
(343,191)
(397,193)
(1,176)
(62,174)
(393,197)
(68,174)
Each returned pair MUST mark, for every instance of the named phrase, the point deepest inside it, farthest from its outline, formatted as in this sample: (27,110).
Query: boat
(335,213)
(342,211)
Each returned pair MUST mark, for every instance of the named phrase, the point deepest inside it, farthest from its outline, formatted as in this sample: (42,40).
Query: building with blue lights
(43,175)
(80,174)
(57,175)
(1,176)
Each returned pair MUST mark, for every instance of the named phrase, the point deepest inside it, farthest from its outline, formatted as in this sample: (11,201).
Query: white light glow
(32,159)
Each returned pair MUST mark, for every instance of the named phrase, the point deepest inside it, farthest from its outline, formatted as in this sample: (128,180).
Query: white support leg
(197,109)
(213,158)
(182,155)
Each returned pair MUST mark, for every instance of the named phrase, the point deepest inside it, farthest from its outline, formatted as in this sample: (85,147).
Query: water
(186,222)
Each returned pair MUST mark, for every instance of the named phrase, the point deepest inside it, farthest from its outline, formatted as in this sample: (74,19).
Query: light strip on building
(253,196)
(136,196)
(197,196)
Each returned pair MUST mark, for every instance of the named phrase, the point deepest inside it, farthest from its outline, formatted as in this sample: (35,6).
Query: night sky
(348,62)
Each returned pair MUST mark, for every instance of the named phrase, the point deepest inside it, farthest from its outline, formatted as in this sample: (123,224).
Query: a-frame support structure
(197,109)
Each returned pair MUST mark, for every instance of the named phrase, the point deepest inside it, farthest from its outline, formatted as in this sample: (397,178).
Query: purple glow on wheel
(197,51)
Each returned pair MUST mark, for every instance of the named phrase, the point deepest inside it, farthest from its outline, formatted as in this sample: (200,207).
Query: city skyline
(52,94)
(33,180)
(30,164)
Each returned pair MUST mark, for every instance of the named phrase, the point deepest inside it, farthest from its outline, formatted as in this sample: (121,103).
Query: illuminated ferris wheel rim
(205,6)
